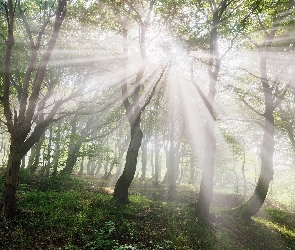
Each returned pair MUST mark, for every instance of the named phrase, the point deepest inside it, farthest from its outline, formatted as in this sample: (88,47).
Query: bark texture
(123,183)
(9,200)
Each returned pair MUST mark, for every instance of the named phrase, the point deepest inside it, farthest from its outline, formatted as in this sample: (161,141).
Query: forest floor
(70,213)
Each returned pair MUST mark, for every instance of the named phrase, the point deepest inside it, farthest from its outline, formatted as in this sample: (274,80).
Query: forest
(147,124)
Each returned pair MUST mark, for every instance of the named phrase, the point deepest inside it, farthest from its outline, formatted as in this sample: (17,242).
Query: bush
(25,176)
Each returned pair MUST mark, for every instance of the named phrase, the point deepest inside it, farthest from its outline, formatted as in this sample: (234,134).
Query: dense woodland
(147,124)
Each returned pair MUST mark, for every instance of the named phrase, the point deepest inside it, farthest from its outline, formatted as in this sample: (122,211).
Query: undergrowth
(66,213)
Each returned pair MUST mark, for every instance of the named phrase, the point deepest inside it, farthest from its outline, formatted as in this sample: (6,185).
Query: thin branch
(148,17)
(41,32)
(153,90)
(238,32)
(251,74)
(6,13)
(203,97)
(7,61)
(252,108)
(137,14)
(253,42)
(230,46)
(3,37)
(27,26)
(262,26)
(281,95)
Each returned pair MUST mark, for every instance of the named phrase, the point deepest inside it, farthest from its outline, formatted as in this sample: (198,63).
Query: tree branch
(249,106)
(27,26)
(153,90)
(59,18)
(7,61)
(203,97)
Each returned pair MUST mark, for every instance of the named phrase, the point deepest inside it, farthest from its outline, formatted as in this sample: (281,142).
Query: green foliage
(73,218)
(25,176)
(233,143)
(286,235)
(61,183)
(281,217)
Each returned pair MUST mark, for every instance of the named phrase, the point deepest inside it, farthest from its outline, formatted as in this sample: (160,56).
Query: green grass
(67,213)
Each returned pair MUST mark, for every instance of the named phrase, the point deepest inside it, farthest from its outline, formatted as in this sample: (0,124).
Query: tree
(222,17)
(214,64)
(133,109)
(28,87)
(274,89)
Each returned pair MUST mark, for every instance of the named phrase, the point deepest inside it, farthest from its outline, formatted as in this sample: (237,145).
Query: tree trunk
(88,167)
(133,111)
(9,200)
(74,148)
(120,166)
(35,155)
(192,164)
(253,205)
(98,166)
(56,153)
(167,163)
(206,187)
(172,158)
(143,160)
(48,165)
(109,174)
(152,163)
(23,162)
(72,158)
(157,159)
(237,186)
(123,183)
(244,176)
(81,171)
(122,144)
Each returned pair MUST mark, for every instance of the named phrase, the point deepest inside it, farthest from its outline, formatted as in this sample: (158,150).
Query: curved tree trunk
(253,205)
(123,183)
(133,110)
